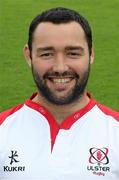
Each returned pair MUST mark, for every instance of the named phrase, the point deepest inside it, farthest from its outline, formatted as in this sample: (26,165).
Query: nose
(60,64)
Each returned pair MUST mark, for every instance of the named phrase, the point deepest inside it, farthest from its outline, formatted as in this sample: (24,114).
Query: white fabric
(79,152)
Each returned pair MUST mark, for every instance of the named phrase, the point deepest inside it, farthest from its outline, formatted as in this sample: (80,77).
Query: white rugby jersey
(34,146)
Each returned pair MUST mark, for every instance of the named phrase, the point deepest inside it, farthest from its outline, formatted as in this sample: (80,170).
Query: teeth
(61,80)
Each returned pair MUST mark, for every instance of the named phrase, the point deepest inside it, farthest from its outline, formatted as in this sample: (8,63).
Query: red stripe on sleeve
(9,112)
(109,111)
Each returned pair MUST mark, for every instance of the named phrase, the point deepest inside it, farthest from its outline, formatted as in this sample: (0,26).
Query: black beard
(71,97)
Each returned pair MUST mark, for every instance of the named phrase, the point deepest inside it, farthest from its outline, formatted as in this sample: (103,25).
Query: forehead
(47,32)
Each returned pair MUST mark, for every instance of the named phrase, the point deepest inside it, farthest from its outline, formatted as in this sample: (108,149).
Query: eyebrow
(44,49)
(80,48)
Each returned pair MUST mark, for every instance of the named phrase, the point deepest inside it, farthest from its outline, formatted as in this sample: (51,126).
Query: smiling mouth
(61,80)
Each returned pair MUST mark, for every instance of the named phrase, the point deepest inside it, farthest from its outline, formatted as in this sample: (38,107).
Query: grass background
(16,83)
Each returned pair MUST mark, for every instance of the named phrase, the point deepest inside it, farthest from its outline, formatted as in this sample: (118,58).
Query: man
(60,132)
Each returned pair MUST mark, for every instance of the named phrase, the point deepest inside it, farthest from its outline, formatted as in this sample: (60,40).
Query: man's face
(60,61)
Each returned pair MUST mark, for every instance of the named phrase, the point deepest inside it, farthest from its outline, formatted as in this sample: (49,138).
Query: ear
(92,56)
(27,56)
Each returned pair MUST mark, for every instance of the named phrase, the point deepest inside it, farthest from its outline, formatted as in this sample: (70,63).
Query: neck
(61,112)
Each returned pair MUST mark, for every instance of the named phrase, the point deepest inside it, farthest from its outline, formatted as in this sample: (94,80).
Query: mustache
(60,75)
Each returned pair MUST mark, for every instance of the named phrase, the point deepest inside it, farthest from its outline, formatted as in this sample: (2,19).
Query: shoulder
(4,115)
(108,111)
(9,112)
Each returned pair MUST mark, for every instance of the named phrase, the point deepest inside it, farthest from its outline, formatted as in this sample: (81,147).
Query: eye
(73,54)
(46,55)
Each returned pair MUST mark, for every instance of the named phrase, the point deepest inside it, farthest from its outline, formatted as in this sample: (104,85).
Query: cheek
(40,67)
(80,68)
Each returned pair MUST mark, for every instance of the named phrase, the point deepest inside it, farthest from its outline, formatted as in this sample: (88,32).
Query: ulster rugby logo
(99,156)
(98,161)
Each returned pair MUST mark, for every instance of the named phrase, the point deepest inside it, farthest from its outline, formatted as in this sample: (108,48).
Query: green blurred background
(16,83)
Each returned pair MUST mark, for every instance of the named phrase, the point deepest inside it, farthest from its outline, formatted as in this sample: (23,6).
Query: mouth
(61,80)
